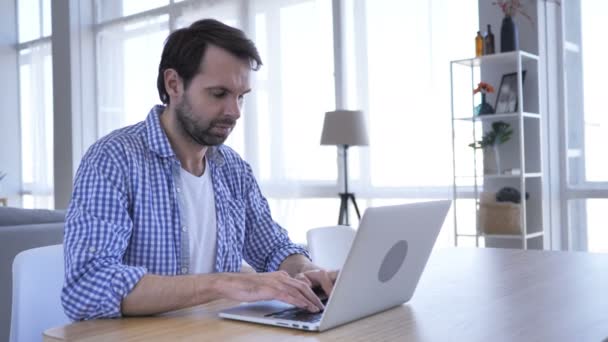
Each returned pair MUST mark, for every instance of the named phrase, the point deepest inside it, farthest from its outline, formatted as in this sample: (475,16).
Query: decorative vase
(484,107)
(497,159)
(509,36)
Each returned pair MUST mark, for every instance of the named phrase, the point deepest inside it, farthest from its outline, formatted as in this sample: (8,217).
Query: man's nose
(233,108)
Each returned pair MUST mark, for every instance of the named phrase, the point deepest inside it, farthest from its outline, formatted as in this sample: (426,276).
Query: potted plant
(501,132)
(484,107)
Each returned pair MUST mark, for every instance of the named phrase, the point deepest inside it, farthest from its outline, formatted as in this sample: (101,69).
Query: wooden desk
(464,295)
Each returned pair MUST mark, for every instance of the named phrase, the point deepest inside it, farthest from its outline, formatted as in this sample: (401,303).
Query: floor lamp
(345,128)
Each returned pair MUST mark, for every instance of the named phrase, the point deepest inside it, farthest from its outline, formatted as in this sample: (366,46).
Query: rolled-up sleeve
(97,233)
(267,243)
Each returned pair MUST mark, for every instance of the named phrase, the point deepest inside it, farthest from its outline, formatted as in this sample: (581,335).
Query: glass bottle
(488,42)
(478,45)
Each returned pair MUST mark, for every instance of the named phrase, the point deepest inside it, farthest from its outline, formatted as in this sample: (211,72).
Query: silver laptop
(381,271)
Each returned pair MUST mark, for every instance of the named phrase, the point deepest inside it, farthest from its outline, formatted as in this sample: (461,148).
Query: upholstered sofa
(22,229)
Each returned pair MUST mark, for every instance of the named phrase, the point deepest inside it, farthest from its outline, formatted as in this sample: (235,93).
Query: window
(34,19)
(396,72)
(594,70)
(280,128)
(585,73)
(409,47)
(128,52)
(127,63)
(36,102)
(107,10)
(293,91)
(403,88)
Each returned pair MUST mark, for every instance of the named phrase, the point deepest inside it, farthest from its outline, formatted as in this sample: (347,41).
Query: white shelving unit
(521,156)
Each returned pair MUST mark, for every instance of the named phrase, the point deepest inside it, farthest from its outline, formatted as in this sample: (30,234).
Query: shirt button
(184,228)
(178,190)
(92,249)
(184,270)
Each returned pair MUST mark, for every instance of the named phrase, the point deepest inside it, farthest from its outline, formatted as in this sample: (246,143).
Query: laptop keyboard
(297,314)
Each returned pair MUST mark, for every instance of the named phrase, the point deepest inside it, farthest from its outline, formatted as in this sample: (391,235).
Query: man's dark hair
(185,47)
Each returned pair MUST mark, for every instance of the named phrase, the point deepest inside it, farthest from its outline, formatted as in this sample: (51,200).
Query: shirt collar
(158,141)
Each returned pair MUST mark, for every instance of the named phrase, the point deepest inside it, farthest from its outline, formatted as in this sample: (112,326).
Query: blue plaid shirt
(124,219)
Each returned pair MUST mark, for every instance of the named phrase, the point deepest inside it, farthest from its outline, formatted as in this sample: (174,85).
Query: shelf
(499,116)
(526,175)
(501,176)
(467,235)
(497,58)
(512,236)
(504,236)
(523,155)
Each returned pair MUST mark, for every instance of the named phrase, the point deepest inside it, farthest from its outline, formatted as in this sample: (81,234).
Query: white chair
(329,246)
(37,280)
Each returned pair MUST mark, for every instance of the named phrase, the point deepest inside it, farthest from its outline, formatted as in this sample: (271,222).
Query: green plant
(501,133)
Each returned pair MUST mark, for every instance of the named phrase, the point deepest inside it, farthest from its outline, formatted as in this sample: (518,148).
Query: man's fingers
(322,278)
(306,291)
(277,285)
(303,278)
(326,283)
(294,300)
(301,292)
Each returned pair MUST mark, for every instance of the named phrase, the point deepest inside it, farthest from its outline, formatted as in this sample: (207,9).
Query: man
(162,213)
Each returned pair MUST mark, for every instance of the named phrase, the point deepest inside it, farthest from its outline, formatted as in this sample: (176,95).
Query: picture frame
(506,99)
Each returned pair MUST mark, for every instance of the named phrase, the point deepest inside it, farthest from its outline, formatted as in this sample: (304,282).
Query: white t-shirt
(201,221)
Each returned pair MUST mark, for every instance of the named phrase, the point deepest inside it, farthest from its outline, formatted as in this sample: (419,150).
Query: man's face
(209,107)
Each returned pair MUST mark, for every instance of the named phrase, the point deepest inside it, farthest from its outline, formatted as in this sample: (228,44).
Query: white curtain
(127,59)
(397,56)
(406,91)
(128,54)
(36,106)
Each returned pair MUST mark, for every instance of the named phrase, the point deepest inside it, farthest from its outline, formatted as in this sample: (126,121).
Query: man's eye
(219,94)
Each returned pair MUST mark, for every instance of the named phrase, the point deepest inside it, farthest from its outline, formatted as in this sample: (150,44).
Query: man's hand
(319,278)
(177,292)
(302,269)
(273,285)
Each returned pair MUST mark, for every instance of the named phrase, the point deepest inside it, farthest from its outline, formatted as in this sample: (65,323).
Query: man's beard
(200,133)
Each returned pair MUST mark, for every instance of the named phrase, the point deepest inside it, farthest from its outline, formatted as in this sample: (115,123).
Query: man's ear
(173,83)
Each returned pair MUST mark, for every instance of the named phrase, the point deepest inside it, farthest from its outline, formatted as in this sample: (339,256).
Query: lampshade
(344,127)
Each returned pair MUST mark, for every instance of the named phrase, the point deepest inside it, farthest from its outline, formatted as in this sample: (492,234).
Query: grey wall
(74,91)
(62,102)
